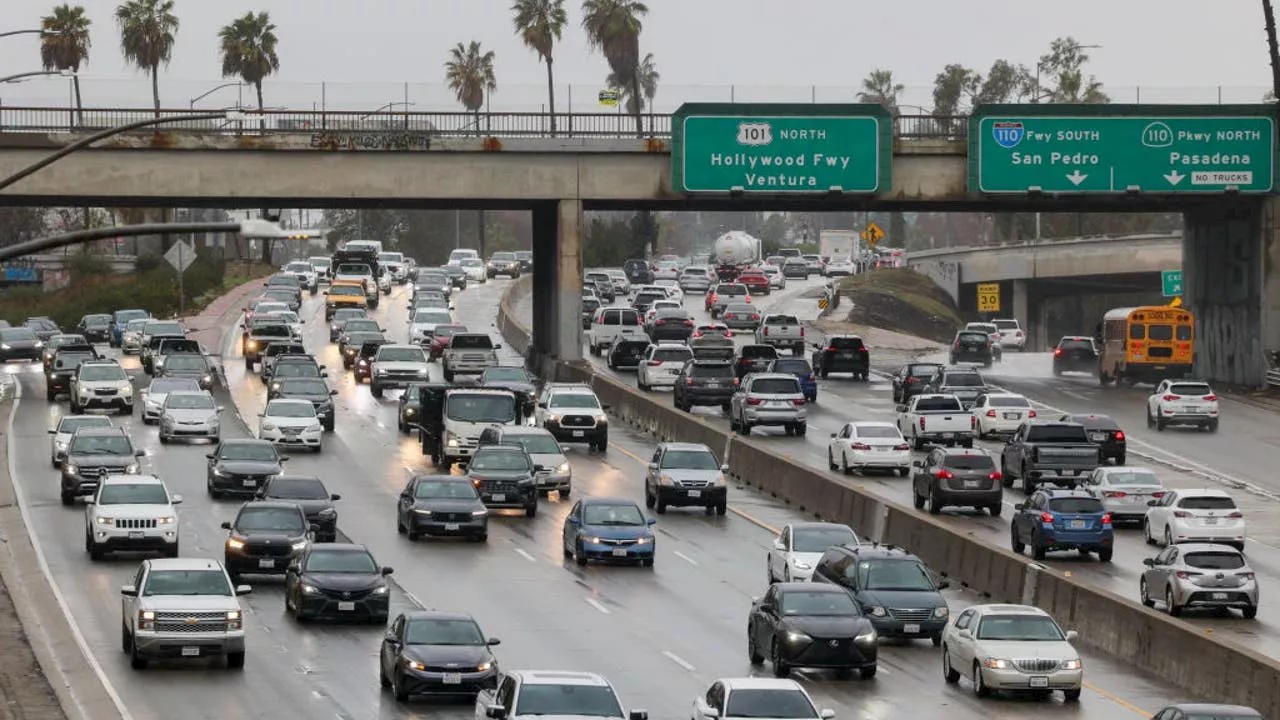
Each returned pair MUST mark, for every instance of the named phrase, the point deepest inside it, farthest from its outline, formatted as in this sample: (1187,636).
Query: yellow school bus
(1146,344)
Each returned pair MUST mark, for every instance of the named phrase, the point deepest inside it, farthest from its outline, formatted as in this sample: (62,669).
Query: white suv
(1179,402)
(662,364)
(182,608)
(573,413)
(1011,335)
(980,644)
(131,513)
(101,383)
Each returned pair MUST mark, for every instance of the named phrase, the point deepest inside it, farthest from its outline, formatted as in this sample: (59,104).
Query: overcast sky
(364,52)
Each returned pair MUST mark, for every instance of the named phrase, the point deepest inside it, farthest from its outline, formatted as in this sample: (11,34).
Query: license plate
(1219,596)
(135,534)
(500,497)
(452,679)
(1011,416)
(450,527)
(579,433)
(948,436)
(190,651)
(1211,521)
(911,629)
(266,563)
(846,355)
(1038,682)
(695,493)
(1097,437)
(1078,524)
(673,371)
(619,552)
(971,483)
(250,483)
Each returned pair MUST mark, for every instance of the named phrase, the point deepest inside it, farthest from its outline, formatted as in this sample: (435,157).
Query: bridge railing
(317,124)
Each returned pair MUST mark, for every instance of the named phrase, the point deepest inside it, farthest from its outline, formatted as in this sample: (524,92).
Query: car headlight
(591,540)
(417,666)
(328,512)
(553,417)
(5,346)
(380,590)
(941,612)
(314,427)
(146,619)
(799,565)
(644,541)
(996,663)
(132,469)
(253,345)
(423,513)
(268,427)
(422,371)
(71,468)
(166,520)
(206,378)
(309,589)
(866,638)
(105,520)
(39,345)
(219,472)
(479,513)
(60,445)
(453,442)
(126,391)
(410,411)
(665,480)
(875,611)
(1072,664)
(719,480)
(300,545)
(562,468)
(235,543)
(798,637)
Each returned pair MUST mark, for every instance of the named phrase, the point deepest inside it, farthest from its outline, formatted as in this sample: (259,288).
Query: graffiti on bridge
(943,270)
(19,270)
(371,141)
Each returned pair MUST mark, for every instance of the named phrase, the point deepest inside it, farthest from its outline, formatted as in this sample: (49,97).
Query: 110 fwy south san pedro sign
(781,148)
(1148,149)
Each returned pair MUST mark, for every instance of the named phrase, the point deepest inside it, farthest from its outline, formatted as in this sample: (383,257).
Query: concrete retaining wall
(1179,653)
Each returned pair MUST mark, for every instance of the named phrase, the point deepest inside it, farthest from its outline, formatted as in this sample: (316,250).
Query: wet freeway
(1182,458)
(662,635)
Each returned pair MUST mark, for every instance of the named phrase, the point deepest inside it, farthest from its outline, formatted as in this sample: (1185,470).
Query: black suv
(754,359)
(313,389)
(310,494)
(504,477)
(893,587)
(966,383)
(971,347)
(63,368)
(294,366)
(703,382)
(1103,432)
(638,272)
(1075,353)
(957,477)
(257,339)
(264,538)
(92,454)
(911,380)
(842,354)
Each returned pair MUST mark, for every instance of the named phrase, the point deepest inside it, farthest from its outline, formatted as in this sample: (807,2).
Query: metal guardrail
(316,124)
(1273,378)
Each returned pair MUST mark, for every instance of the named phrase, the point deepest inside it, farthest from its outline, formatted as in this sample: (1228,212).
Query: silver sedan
(1125,491)
(1199,575)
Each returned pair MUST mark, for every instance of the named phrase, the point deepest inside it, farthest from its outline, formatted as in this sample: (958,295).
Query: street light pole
(35,31)
(252,228)
(36,73)
(198,98)
(85,142)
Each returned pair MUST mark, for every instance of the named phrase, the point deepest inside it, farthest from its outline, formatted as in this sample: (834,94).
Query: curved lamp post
(252,228)
(37,73)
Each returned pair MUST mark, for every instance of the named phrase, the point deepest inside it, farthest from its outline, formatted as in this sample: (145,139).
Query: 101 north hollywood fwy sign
(777,149)
(1121,149)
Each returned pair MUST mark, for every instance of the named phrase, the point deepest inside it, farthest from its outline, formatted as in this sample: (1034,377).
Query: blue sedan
(609,529)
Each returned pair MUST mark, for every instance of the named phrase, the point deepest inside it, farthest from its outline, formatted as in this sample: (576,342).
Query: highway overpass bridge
(1115,158)
(1058,287)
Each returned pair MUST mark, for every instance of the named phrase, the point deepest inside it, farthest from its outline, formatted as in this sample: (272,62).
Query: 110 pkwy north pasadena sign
(779,149)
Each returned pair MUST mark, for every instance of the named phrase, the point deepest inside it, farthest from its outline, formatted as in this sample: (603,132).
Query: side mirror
(493,641)
(724,468)
(89,501)
(176,500)
(542,405)
(387,570)
(222,408)
(495,712)
(779,545)
(243,590)
(284,458)
(1018,507)
(335,498)
(53,431)
(1072,635)
(1149,562)
(965,633)
(943,584)
(139,453)
(324,367)
(827,714)
(651,522)
(209,455)
(901,408)
(129,591)
(324,374)
(572,521)
(653,466)
(498,346)
(916,463)
(391,639)
(226,525)
(638,715)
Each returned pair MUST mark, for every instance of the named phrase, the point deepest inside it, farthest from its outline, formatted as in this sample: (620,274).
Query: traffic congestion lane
(662,635)
(289,670)
(873,401)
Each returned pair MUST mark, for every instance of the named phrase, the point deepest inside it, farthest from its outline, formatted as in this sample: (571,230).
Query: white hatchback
(1179,402)
(865,446)
(291,423)
(662,364)
(1205,515)
(1001,413)
(800,546)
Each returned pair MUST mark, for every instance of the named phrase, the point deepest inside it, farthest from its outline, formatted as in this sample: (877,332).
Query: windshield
(187,582)
(771,703)
(291,409)
(775,386)
(296,369)
(249,452)
(963,380)
(503,257)
(877,432)
(347,291)
(445,490)
(923,370)
(739,308)
(1094,422)
(348,314)
(444,331)
(539,444)
(17,335)
(1019,402)
(711,371)
(1076,344)
(816,540)
(409,355)
(163,386)
(499,460)
(902,575)
(163,328)
(361,325)
(305,386)
(432,316)
(800,602)
(321,263)
(1133,477)
(795,367)
(475,408)
(973,337)
(1030,628)
(432,280)
(1207,502)
(101,445)
(689,460)
(188,401)
(340,561)
(133,494)
(270,519)
(616,515)
(1065,434)
(449,632)
(353,269)
(472,342)
(1075,505)
(979,327)
(299,267)
(472,262)
(569,701)
(124,317)
(69,425)
(574,400)
(297,488)
(185,362)
(391,257)
(512,374)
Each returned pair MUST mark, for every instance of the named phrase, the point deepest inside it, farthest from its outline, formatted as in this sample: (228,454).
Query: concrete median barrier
(1207,667)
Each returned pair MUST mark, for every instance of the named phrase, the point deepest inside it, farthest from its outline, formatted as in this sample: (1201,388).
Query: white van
(610,322)
(457,256)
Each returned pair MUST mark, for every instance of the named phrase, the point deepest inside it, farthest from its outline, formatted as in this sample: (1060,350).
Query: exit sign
(1171,283)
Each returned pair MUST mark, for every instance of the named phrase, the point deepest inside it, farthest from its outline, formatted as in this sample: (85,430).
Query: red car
(441,338)
(755,280)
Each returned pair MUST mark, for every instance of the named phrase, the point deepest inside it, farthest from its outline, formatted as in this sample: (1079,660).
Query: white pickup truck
(565,695)
(781,331)
(937,419)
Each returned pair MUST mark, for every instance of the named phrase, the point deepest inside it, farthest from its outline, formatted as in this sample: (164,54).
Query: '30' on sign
(989,297)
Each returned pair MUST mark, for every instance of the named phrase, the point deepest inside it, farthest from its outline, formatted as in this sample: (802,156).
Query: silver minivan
(768,399)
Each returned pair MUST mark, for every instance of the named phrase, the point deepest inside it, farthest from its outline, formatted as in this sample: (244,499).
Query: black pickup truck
(1049,447)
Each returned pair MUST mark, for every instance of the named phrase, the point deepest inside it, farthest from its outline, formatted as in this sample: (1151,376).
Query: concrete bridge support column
(557,285)
(1270,276)
(1225,277)
(1018,307)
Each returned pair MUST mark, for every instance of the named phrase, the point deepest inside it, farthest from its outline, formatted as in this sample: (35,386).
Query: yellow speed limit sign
(989,297)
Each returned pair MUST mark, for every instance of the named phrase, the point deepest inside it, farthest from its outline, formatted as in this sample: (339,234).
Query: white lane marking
(521,552)
(89,656)
(596,604)
(679,660)
(684,557)
(1076,395)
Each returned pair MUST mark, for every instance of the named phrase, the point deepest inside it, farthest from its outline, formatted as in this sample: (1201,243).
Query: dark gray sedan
(445,505)
(19,344)
(239,467)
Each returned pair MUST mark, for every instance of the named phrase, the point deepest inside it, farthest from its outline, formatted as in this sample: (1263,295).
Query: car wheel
(949,674)
(397,688)
(753,655)
(1143,594)
(780,668)
(935,507)
(1250,612)
(1146,532)
(844,464)
(1169,605)
(579,554)
(917,500)
(980,688)
(1168,537)
(1071,696)
(1016,543)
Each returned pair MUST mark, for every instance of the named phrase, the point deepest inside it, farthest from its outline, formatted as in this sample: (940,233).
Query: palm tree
(539,24)
(613,27)
(470,75)
(65,44)
(248,46)
(880,88)
(147,30)
(647,77)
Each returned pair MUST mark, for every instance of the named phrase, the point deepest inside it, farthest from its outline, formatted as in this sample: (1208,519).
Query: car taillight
(1171,397)
(748,298)
(476,481)
(1235,515)
(728,316)
(688,381)
(957,345)
(1157,495)
(831,349)
(1046,517)
(859,446)
(1057,352)
(800,401)
(991,413)
(728,333)
(1181,514)
(1248,576)
(659,322)
(973,421)
(697,333)
(1185,575)
(995,476)
(757,317)
(911,380)
(1031,413)
(754,401)
(1119,434)
(862,350)
(714,297)
(688,323)
(812,378)
(655,363)
(1210,398)
(1018,333)
(944,475)
(802,332)
(1114,494)
(922,423)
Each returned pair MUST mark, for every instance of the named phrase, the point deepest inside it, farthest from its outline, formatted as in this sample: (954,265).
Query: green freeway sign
(1159,149)
(774,149)
(1171,283)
